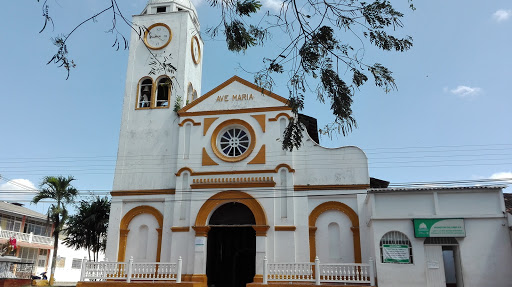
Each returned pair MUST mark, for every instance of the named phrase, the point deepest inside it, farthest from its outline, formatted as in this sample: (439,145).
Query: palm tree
(88,228)
(60,190)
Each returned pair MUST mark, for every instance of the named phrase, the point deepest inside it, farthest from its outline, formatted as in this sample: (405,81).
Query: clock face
(157,36)
(196,50)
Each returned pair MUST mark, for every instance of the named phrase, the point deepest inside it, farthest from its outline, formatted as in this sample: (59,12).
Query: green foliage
(247,7)
(88,228)
(177,104)
(324,56)
(59,190)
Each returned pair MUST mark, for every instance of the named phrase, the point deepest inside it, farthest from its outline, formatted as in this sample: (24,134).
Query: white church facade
(205,179)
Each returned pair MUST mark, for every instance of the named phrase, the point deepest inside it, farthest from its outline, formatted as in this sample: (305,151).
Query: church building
(205,178)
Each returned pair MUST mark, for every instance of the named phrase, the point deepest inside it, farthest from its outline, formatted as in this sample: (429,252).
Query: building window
(61,262)
(395,247)
(233,140)
(161,9)
(37,228)
(76,264)
(145,92)
(163,92)
(41,263)
(11,223)
(43,252)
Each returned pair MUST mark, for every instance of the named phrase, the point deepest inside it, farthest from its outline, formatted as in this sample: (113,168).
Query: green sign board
(447,227)
(395,253)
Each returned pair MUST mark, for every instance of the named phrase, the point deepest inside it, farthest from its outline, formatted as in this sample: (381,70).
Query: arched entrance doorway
(231,246)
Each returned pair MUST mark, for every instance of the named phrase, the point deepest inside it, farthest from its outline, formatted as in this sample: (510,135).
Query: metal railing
(360,273)
(26,237)
(150,271)
(16,270)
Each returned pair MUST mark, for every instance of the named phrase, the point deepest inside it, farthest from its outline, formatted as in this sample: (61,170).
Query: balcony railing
(26,237)
(359,273)
(131,271)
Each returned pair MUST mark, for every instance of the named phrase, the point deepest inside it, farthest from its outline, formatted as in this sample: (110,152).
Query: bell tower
(163,75)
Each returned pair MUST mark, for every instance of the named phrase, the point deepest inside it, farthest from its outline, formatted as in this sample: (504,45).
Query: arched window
(395,247)
(145,92)
(190,93)
(163,92)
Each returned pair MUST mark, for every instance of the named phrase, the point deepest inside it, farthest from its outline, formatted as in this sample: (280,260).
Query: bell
(146,89)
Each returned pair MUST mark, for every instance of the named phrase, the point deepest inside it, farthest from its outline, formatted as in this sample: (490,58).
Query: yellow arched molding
(274,119)
(125,222)
(341,207)
(188,120)
(155,89)
(227,123)
(201,224)
(152,92)
(290,169)
(190,171)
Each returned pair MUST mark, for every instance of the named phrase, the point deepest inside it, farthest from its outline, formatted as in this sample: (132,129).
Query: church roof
(212,101)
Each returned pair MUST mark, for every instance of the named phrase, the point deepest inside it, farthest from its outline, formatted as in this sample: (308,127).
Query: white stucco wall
(485,252)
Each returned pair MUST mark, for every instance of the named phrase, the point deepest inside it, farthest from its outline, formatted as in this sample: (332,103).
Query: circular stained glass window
(234,141)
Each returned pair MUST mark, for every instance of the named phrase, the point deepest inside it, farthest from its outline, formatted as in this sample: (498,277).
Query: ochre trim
(224,172)
(228,82)
(258,278)
(261,230)
(142,192)
(290,169)
(199,278)
(284,228)
(184,169)
(188,120)
(153,103)
(329,187)
(180,228)
(206,159)
(341,207)
(201,231)
(260,157)
(231,196)
(196,61)
(151,93)
(274,119)
(151,27)
(228,112)
(233,183)
(261,121)
(125,222)
(207,123)
(228,123)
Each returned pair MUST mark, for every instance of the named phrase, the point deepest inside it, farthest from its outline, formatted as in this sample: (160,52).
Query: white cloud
(502,15)
(18,190)
(466,92)
(272,5)
(502,175)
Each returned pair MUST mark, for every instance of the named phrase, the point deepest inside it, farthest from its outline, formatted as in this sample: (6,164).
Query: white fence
(150,271)
(26,237)
(330,272)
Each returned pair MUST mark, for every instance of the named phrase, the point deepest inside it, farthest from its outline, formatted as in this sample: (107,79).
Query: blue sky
(449,120)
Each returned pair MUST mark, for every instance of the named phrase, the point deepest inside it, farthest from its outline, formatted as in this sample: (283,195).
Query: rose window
(234,141)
